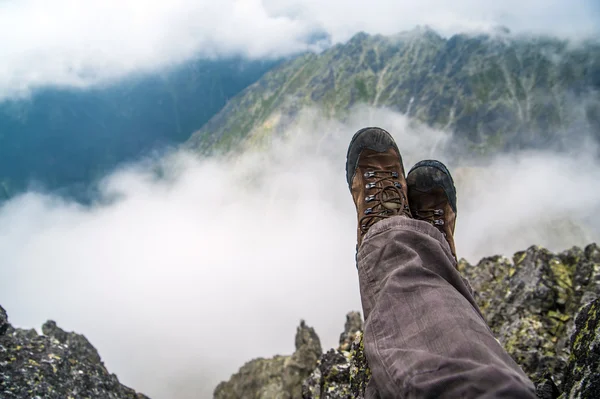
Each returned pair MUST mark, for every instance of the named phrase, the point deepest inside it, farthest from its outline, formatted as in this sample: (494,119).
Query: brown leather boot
(375,177)
(432,197)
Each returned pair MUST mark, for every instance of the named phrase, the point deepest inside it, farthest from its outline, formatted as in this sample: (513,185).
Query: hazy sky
(179,282)
(77,43)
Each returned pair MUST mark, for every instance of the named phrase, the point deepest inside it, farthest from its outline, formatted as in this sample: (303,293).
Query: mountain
(64,139)
(495,92)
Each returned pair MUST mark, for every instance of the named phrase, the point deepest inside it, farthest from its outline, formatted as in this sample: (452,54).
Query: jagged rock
(547,389)
(530,304)
(354,324)
(340,373)
(3,321)
(582,377)
(55,365)
(277,378)
(77,342)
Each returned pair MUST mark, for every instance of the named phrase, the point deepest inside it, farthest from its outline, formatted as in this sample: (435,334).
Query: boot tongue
(390,199)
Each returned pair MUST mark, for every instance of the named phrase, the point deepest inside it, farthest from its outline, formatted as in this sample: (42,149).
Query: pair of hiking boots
(375,175)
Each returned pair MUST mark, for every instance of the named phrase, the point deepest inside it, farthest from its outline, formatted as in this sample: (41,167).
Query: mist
(72,44)
(186,268)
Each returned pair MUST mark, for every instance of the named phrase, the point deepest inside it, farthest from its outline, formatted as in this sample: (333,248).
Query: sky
(74,43)
(179,281)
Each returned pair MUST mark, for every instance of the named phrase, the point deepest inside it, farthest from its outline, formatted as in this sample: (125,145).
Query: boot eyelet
(438,212)
(370,198)
(368,211)
(395,174)
(369,174)
(397,185)
(438,222)
(369,186)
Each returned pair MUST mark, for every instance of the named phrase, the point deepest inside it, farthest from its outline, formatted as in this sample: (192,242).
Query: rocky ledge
(543,307)
(55,365)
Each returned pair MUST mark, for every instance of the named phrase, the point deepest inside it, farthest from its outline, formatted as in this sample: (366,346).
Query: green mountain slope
(495,92)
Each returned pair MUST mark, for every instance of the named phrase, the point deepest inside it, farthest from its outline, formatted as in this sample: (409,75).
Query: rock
(582,376)
(55,365)
(354,324)
(3,321)
(530,303)
(77,342)
(547,389)
(340,373)
(277,378)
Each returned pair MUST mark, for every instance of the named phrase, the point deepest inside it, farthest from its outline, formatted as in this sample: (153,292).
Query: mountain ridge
(493,92)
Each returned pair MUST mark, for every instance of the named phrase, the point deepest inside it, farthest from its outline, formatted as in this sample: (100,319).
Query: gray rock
(354,324)
(340,373)
(582,377)
(276,378)
(3,321)
(530,303)
(55,365)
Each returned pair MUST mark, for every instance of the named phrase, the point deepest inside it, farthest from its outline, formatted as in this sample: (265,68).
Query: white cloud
(179,281)
(78,43)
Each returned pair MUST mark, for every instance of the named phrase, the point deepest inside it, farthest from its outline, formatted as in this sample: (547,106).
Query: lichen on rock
(341,372)
(279,377)
(55,365)
(582,377)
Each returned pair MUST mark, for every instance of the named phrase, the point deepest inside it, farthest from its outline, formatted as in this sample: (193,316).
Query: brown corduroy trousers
(424,334)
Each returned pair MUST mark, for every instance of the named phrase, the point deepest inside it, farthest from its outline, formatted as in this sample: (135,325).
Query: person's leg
(424,335)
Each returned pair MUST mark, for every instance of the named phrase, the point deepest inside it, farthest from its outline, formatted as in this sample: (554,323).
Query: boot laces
(433,216)
(387,197)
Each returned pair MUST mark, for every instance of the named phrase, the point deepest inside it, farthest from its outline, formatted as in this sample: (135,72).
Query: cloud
(77,44)
(180,279)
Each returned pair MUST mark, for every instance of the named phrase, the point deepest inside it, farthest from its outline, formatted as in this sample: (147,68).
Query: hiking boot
(432,197)
(375,177)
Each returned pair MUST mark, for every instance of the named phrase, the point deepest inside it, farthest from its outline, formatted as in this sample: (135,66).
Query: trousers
(425,336)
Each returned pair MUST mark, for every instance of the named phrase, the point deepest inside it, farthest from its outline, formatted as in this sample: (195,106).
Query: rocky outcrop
(531,302)
(582,376)
(342,372)
(277,378)
(55,365)
(543,307)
